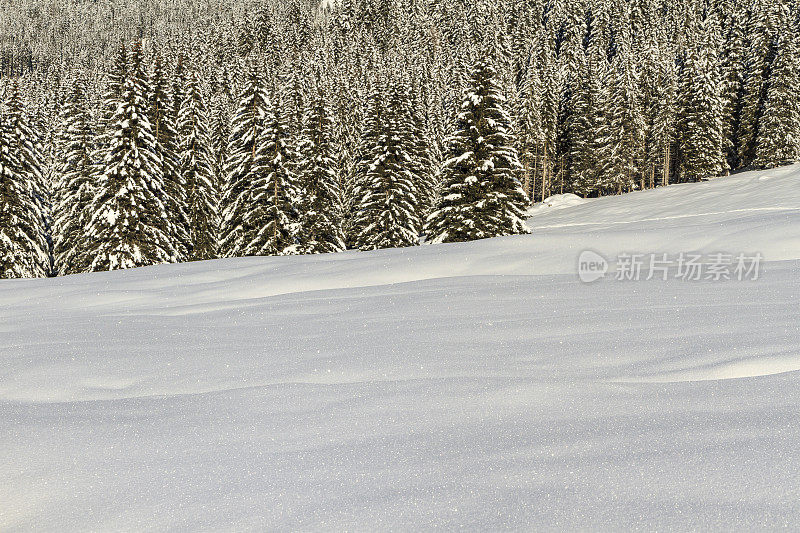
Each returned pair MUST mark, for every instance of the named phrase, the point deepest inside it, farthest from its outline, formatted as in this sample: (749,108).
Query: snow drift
(476,385)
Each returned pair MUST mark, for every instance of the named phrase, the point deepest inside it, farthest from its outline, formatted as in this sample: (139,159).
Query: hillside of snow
(479,385)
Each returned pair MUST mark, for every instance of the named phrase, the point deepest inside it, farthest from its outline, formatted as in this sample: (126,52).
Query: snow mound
(557,201)
(476,386)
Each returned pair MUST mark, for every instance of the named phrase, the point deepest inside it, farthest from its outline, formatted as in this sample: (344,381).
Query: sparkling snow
(477,385)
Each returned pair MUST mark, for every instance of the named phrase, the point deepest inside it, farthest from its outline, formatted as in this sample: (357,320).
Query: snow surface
(477,385)
(558,201)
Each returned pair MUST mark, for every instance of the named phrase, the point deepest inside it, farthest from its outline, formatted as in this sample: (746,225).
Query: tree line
(288,128)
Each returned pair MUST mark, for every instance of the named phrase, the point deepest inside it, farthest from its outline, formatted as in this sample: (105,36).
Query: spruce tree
(625,133)
(272,220)
(197,174)
(163,115)
(589,142)
(244,160)
(700,115)
(530,125)
(482,195)
(76,183)
(129,219)
(778,141)
(321,198)
(388,210)
(422,155)
(759,56)
(733,83)
(23,247)
(356,186)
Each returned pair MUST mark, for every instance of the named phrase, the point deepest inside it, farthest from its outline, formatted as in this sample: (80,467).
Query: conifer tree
(659,109)
(700,115)
(33,165)
(732,60)
(357,187)
(163,118)
(482,195)
(387,213)
(425,176)
(779,131)
(244,160)
(23,248)
(76,188)
(273,219)
(129,222)
(321,198)
(531,125)
(759,56)
(625,127)
(196,172)
(589,142)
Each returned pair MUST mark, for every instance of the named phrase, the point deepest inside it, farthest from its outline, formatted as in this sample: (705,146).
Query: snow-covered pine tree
(482,195)
(162,114)
(759,56)
(658,80)
(321,198)
(530,125)
(388,210)
(219,131)
(590,138)
(552,86)
(356,186)
(23,247)
(425,175)
(244,160)
(75,186)
(732,67)
(700,110)
(129,218)
(29,125)
(27,143)
(778,141)
(272,221)
(625,126)
(196,172)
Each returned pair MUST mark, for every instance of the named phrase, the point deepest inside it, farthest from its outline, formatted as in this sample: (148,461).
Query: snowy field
(479,386)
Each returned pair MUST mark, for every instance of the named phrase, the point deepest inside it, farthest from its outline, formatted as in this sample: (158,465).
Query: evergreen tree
(589,134)
(779,131)
(196,172)
(321,197)
(244,160)
(27,144)
(659,109)
(273,220)
(700,117)
(76,187)
(758,63)
(733,83)
(626,127)
(531,138)
(163,114)
(357,186)
(23,248)
(388,209)
(425,177)
(128,225)
(482,195)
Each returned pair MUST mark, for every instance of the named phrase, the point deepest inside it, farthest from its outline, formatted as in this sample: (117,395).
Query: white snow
(478,385)
(558,201)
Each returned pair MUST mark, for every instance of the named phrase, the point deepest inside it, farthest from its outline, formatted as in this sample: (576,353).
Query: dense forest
(141,132)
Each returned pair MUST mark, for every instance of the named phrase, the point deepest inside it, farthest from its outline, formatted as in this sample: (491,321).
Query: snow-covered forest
(138,133)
